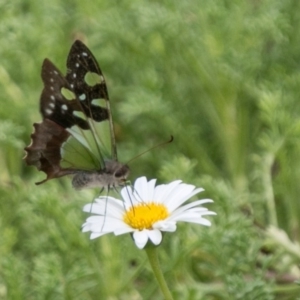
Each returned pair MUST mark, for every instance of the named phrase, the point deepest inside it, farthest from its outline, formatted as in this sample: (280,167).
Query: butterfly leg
(105,209)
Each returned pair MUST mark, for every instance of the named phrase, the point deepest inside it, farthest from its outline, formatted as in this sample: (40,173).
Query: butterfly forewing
(81,66)
(54,105)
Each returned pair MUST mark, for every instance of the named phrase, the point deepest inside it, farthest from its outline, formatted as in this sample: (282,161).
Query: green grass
(222,77)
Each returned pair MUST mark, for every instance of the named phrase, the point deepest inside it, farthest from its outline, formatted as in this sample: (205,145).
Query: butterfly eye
(122,172)
(118,174)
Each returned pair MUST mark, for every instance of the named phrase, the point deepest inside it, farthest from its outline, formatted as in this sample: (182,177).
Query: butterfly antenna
(154,147)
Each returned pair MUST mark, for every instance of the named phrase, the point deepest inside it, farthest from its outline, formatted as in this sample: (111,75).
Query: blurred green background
(223,77)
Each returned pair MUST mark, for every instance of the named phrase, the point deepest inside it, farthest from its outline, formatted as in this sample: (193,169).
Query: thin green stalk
(268,185)
(153,259)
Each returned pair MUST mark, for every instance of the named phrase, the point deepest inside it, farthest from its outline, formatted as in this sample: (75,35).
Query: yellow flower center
(144,215)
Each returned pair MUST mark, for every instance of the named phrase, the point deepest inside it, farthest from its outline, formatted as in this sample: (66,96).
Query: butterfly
(76,136)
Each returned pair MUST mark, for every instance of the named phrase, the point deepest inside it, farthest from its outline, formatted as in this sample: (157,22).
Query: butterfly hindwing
(44,150)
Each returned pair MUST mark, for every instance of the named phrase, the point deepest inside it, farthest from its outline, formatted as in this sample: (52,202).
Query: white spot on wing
(48,111)
(77,65)
(74,75)
(72,85)
(51,88)
(52,97)
(84,54)
(55,72)
(82,97)
(51,105)
(51,79)
(64,107)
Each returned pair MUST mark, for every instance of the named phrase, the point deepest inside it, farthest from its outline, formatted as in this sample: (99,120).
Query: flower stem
(268,185)
(153,259)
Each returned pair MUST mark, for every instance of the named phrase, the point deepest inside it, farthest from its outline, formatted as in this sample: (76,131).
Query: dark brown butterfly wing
(80,62)
(44,150)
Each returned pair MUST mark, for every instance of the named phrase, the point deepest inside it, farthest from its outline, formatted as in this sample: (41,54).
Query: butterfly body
(112,175)
(68,141)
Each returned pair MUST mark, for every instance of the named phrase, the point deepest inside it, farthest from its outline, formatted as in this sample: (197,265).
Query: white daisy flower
(146,210)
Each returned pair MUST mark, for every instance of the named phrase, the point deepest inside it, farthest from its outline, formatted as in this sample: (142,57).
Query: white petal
(162,193)
(151,189)
(189,215)
(94,219)
(201,221)
(126,194)
(85,227)
(198,209)
(208,213)
(143,191)
(176,200)
(140,238)
(111,224)
(129,198)
(141,188)
(95,235)
(169,226)
(155,236)
(103,224)
(180,192)
(184,215)
(158,191)
(123,230)
(93,206)
(133,198)
(190,206)
(104,206)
